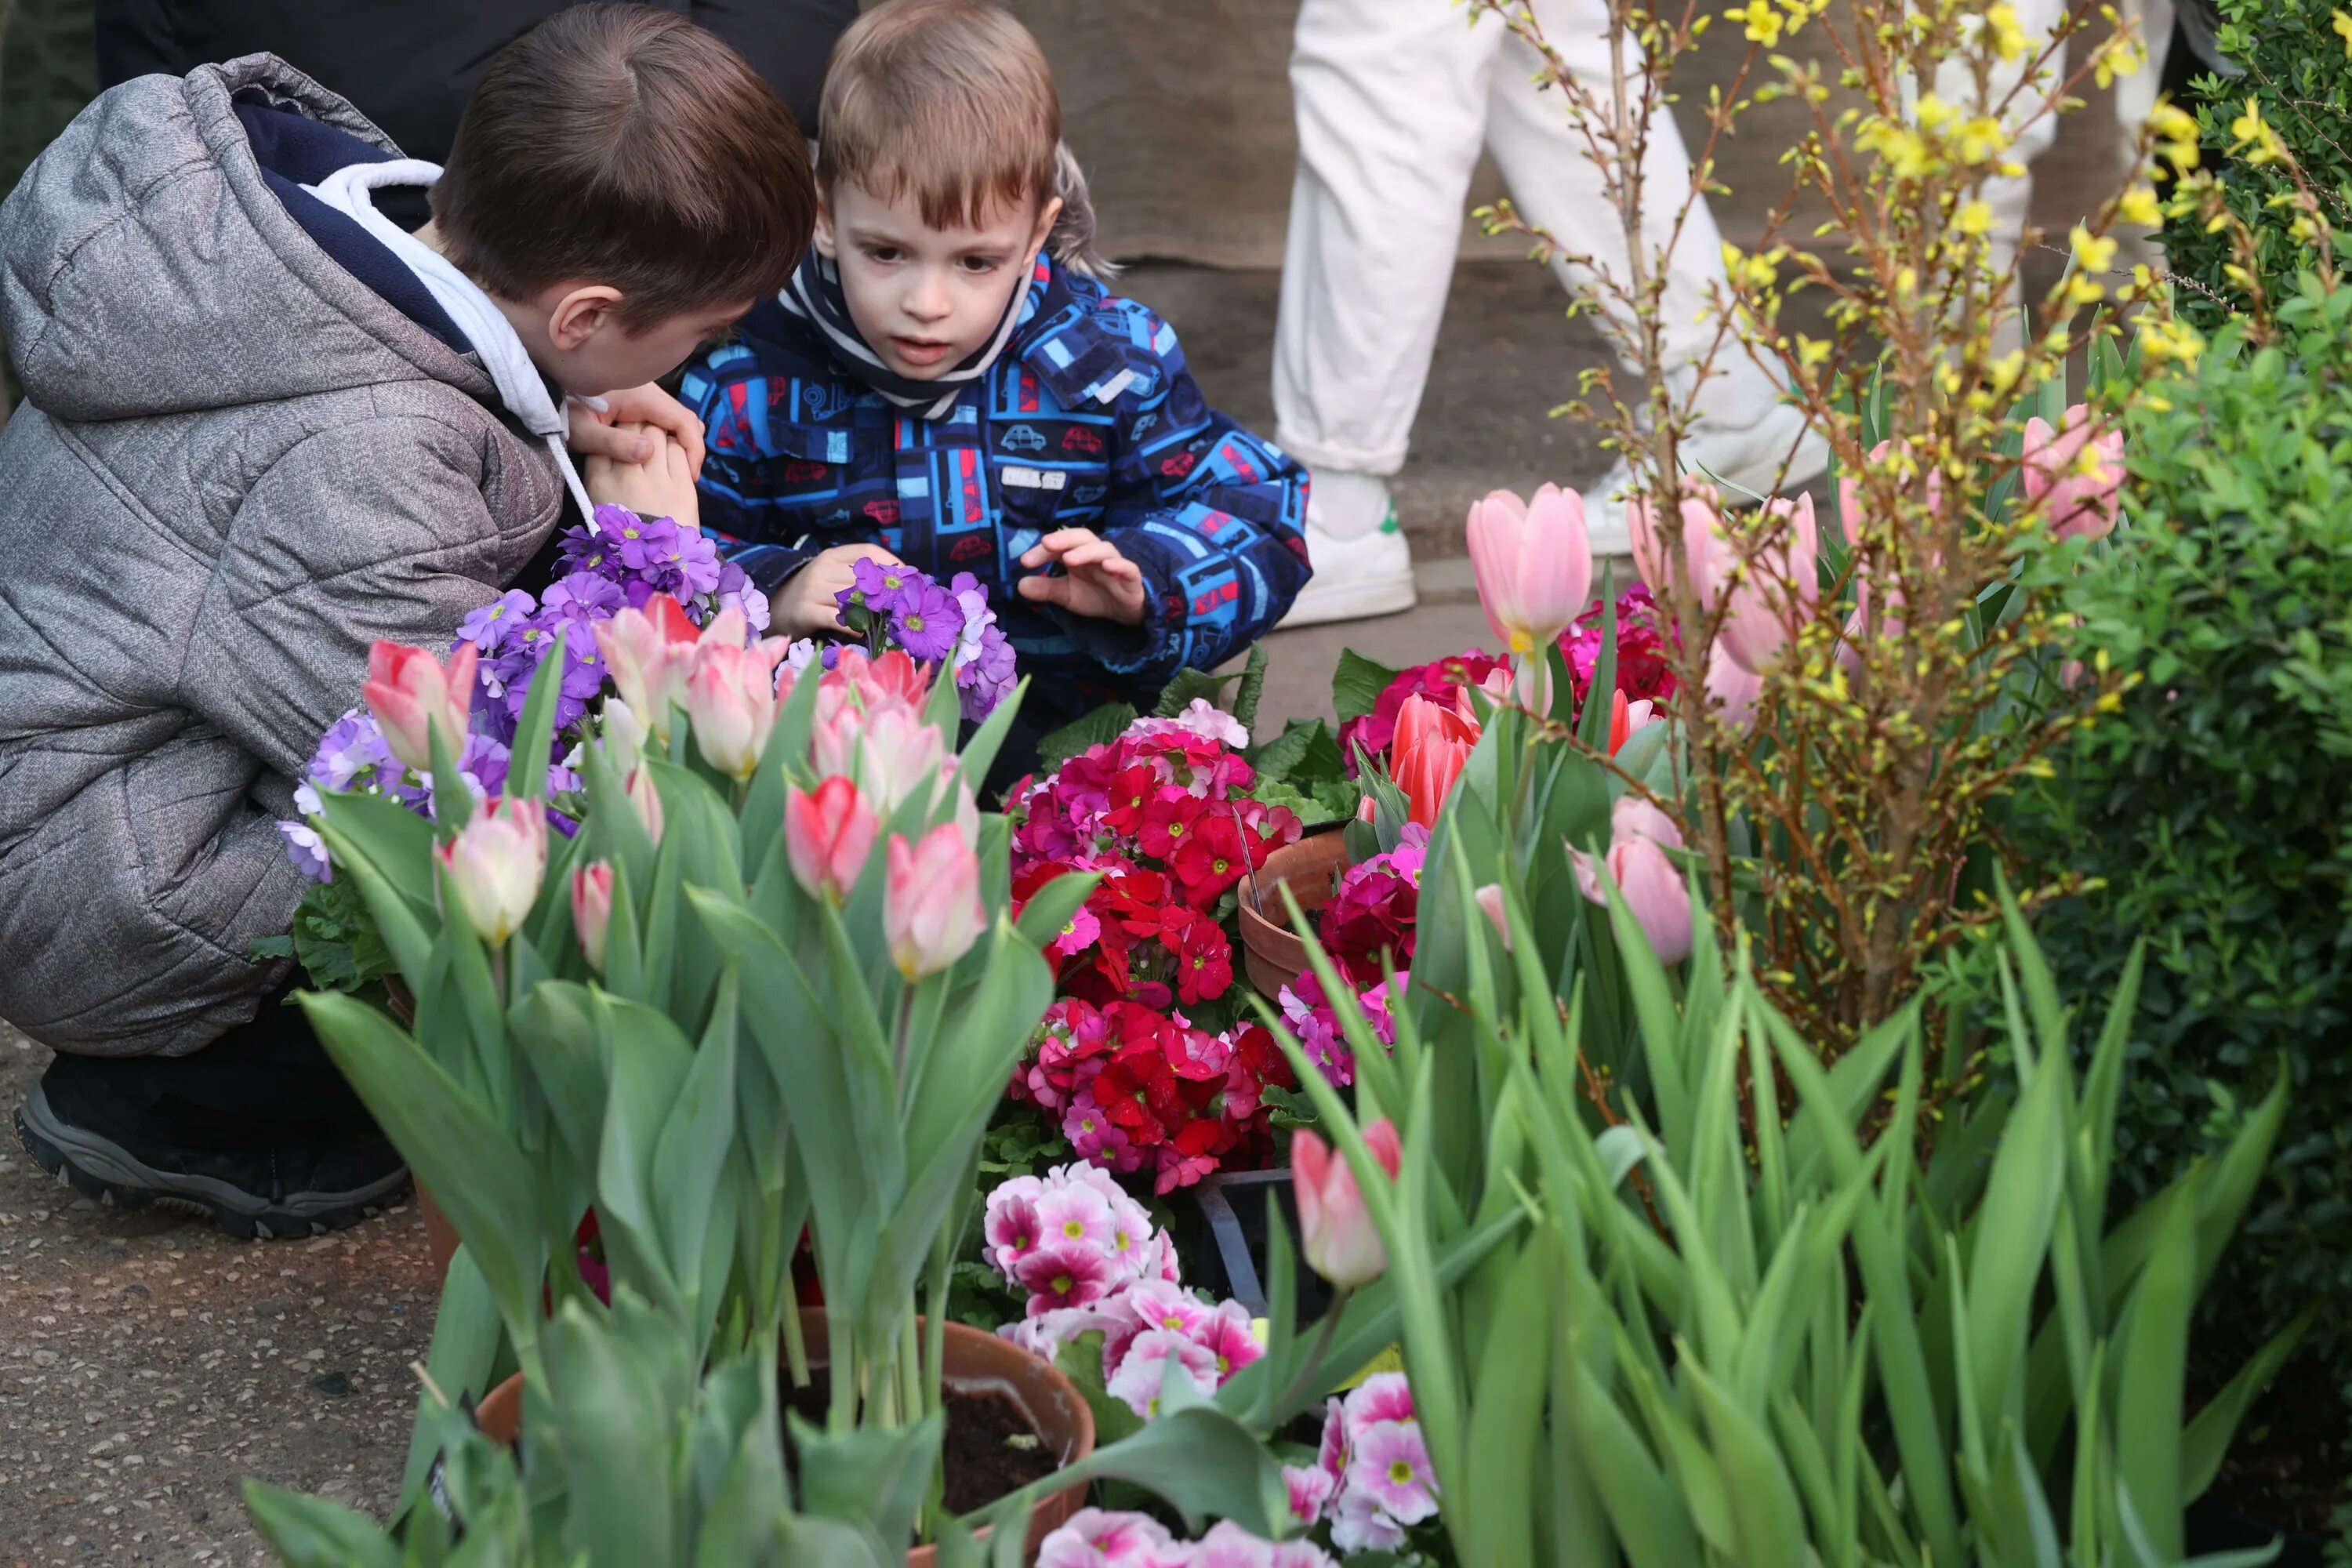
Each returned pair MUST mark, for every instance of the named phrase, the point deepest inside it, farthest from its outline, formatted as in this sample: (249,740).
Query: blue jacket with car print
(1088,420)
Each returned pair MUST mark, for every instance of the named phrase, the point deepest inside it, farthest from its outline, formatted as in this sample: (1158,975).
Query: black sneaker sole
(105,1173)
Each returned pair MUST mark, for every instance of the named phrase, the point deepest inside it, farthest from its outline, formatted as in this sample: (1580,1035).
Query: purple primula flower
(351,755)
(644,544)
(489,627)
(307,850)
(584,596)
(927,621)
(736,589)
(878,586)
(695,558)
(581,550)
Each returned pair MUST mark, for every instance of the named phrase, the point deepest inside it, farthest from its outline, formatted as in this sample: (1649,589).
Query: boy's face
(926,298)
(588,351)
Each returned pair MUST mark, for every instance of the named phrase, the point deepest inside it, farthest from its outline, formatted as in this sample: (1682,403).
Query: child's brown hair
(625,146)
(952,102)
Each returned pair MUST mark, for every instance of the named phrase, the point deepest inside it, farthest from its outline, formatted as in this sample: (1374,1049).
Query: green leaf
(1101,727)
(1189,684)
(477,1175)
(1049,909)
(608,1400)
(1253,687)
(535,732)
(1200,1460)
(1306,753)
(2207,1441)
(874,1476)
(1357,685)
(314,1532)
(2154,1362)
(465,1338)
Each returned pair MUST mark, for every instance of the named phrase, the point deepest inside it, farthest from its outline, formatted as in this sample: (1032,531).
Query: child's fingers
(1047,590)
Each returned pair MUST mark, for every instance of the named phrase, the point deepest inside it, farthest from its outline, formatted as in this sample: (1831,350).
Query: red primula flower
(1131,794)
(1212,857)
(1166,820)
(1204,959)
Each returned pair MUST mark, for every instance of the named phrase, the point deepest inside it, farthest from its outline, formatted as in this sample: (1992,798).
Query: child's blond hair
(952,101)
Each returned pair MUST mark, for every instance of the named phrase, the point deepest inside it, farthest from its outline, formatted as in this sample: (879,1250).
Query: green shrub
(2216,803)
(2298,76)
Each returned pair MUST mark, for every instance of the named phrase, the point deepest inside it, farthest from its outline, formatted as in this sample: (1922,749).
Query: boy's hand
(661,486)
(613,434)
(1096,580)
(805,606)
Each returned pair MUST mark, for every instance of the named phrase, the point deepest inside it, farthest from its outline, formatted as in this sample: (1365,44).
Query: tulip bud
(647,800)
(1490,901)
(2078,475)
(411,693)
(732,699)
(494,866)
(624,735)
(828,833)
(1652,888)
(1533,563)
(592,910)
(1772,595)
(931,912)
(1432,746)
(1336,1230)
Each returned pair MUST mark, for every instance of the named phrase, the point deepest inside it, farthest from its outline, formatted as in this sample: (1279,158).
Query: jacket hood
(146,267)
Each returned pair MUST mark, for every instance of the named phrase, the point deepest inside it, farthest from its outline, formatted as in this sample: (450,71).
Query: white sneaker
(1748,457)
(1355,579)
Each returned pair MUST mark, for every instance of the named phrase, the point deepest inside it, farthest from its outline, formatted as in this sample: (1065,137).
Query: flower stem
(1324,1335)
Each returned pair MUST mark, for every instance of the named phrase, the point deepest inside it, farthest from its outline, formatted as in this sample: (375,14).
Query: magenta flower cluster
(894,605)
(1373,1476)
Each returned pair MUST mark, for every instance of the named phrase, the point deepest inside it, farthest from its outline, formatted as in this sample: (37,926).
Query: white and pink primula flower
(1373,1476)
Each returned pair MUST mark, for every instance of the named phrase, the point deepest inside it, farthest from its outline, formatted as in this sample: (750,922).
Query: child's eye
(885,253)
(980,264)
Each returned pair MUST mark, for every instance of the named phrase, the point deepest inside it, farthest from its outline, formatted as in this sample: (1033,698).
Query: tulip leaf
(762,816)
(535,731)
(466,1339)
(1357,685)
(978,754)
(1047,913)
(616,1426)
(469,1162)
(2207,1439)
(876,1477)
(308,1531)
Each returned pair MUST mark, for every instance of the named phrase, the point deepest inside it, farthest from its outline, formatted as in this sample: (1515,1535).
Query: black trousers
(266,1081)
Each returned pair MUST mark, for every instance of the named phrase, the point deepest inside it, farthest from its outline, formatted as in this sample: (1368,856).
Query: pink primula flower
(1383,1396)
(1155,1356)
(1074,1216)
(1069,1276)
(1099,1538)
(1310,1487)
(1225,1334)
(1013,1232)
(1389,1463)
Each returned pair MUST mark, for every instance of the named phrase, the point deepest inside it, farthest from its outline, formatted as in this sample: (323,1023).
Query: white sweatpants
(1395,98)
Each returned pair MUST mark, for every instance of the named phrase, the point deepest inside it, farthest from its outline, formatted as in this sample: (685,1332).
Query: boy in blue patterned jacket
(946,383)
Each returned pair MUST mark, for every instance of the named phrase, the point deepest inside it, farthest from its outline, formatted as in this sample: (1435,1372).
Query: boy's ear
(821,236)
(1046,212)
(580,313)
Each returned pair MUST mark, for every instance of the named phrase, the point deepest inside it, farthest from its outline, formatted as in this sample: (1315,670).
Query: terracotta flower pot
(1311,869)
(439,1239)
(974,1360)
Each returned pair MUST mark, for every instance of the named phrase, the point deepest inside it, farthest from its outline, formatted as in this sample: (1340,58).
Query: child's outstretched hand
(1096,580)
(805,606)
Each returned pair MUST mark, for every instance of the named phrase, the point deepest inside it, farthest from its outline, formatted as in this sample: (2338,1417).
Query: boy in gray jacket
(270,419)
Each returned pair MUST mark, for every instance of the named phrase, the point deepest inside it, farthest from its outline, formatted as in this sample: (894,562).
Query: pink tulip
(1731,688)
(1334,1229)
(1490,902)
(730,698)
(647,800)
(931,912)
(1633,817)
(650,655)
(2078,475)
(1533,563)
(494,866)
(828,833)
(1770,599)
(623,734)
(1702,524)
(887,746)
(1652,888)
(411,693)
(592,910)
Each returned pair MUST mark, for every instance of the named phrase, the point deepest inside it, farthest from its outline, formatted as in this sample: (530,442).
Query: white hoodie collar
(351,191)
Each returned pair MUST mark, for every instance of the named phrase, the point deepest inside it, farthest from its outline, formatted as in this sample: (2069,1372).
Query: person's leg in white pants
(1395,99)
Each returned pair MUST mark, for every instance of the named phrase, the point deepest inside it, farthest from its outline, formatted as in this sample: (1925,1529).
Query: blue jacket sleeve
(1213,515)
(729,390)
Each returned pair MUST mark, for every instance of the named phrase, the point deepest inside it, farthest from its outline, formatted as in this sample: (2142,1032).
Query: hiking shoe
(288,1186)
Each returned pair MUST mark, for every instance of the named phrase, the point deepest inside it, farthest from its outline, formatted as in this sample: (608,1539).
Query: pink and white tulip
(731,696)
(495,865)
(592,910)
(1336,1229)
(1534,566)
(650,655)
(412,693)
(648,801)
(931,912)
(828,833)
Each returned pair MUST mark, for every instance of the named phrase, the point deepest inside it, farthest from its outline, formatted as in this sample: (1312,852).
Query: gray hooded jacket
(236,469)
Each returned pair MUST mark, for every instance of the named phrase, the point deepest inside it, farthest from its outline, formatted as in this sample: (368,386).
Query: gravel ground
(149,1365)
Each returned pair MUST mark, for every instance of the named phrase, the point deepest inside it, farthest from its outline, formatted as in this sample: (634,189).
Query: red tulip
(1433,745)
(592,910)
(411,693)
(828,833)
(1334,1230)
